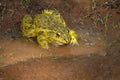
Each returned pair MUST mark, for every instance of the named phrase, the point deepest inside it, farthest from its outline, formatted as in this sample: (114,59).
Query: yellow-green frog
(48,28)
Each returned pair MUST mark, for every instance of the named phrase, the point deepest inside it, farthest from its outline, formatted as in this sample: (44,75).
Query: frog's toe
(45,46)
(74,38)
(74,42)
(43,43)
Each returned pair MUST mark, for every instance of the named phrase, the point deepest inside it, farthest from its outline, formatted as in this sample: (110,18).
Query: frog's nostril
(66,40)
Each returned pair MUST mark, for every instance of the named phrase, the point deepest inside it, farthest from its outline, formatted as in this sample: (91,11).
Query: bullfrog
(48,28)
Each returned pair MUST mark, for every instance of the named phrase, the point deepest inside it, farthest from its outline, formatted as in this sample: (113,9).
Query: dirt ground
(97,22)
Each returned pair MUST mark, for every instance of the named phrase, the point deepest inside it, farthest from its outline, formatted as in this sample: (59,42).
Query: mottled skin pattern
(48,27)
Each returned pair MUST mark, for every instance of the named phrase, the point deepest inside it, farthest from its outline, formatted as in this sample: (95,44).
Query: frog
(47,28)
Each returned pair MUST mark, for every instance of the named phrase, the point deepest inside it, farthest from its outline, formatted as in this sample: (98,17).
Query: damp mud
(97,57)
(19,50)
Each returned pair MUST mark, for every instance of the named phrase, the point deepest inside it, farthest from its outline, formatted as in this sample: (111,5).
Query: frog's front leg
(74,37)
(43,42)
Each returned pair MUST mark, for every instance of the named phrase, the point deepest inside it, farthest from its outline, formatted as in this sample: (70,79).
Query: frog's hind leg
(41,39)
(30,39)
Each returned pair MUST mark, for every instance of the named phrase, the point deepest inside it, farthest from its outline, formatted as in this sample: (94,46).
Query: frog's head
(66,36)
(62,37)
(28,28)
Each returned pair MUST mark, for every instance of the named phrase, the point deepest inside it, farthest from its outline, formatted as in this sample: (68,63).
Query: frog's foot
(74,38)
(29,39)
(43,43)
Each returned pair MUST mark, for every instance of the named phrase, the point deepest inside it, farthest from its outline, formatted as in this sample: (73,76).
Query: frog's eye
(58,34)
(66,31)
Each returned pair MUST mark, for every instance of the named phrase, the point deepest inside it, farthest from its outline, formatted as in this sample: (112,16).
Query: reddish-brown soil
(96,58)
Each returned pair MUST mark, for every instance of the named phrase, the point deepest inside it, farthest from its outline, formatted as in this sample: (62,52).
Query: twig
(105,23)
(93,4)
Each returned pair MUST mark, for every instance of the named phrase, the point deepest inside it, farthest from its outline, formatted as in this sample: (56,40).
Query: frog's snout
(66,40)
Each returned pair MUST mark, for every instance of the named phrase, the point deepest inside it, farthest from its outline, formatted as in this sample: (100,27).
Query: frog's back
(49,21)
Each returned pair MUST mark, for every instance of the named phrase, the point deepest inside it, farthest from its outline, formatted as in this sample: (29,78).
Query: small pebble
(90,44)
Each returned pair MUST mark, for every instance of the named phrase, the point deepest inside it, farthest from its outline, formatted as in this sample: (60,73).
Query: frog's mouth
(59,43)
(62,42)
